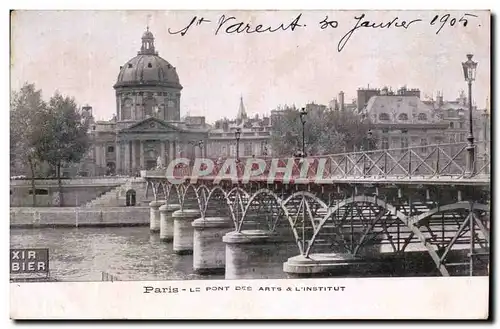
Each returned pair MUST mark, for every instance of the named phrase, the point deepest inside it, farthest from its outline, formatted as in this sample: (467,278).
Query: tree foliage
(65,137)
(26,128)
(326,132)
(51,133)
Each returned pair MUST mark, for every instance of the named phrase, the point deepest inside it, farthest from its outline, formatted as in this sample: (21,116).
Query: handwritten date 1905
(451,21)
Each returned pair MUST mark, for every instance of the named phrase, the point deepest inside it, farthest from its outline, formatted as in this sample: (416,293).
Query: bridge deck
(429,165)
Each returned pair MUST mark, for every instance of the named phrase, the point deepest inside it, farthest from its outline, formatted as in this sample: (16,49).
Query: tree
(26,127)
(326,132)
(65,137)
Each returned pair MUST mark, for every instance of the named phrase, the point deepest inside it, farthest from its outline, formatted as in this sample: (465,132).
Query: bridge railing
(430,161)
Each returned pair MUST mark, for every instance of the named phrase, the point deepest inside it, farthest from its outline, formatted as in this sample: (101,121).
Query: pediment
(152,125)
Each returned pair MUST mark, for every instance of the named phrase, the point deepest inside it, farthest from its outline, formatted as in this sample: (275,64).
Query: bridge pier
(325,265)
(154,217)
(249,253)
(209,251)
(183,230)
(167,222)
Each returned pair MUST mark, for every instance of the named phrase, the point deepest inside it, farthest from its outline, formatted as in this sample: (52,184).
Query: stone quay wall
(28,217)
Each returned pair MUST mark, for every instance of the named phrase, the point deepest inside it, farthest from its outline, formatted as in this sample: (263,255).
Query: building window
(385,131)
(404,142)
(129,66)
(149,65)
(127,109)
(403,117)
(39,191)
(111,149)
(423,143)
(385,143)
(422,117)
(451,125)
(461,124)
(383,117)
(149,104)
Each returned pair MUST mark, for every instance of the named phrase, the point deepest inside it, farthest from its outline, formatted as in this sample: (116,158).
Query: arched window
(170,110)
(403,117)
(383,117)
(149,104)
(127,109)
(422,117)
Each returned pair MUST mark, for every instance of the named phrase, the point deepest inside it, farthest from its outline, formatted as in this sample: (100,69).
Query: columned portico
(134,156)
(162,152)
(154,138)
(127,157)
(141,154)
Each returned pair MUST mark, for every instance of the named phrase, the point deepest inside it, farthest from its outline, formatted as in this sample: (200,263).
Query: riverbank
(29,217)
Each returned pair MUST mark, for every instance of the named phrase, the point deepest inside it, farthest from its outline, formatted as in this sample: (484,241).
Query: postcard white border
(454,295)
(376,298)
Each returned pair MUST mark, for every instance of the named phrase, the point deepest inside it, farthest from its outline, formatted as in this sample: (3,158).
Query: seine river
(129,253)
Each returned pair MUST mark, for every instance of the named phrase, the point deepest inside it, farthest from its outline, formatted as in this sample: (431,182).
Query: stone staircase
(116,197)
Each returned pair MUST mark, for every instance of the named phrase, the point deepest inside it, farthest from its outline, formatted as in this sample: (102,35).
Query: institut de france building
(147,126)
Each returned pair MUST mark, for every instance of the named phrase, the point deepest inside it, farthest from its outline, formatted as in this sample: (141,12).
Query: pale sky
(79,53)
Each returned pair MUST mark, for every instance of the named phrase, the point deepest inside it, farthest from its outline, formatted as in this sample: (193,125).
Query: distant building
(254,137)
(401,119)
(364,95)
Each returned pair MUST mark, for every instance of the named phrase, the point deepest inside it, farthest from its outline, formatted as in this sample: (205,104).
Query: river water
(133,253)
(128,253)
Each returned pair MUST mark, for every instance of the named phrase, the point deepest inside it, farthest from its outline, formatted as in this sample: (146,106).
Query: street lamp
(200,145)
(469,68)
(303,114)
(237,135)
(369,140)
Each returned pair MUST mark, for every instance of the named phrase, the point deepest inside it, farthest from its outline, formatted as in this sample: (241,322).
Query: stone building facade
(146,129)
(254,136)
(401,119)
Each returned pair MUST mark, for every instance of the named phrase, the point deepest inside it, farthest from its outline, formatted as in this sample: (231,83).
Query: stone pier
(154,217)
(324,265)
(209,251)
(183,230)
(249,253)
(167,222)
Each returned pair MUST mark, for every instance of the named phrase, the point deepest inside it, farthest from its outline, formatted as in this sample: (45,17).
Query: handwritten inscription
(447,19)
(361,22)
(231,25)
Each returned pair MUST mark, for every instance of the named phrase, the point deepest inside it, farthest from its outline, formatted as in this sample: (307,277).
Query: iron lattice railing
(431,161)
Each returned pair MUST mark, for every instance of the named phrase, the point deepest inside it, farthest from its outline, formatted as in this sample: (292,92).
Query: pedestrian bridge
(433,199)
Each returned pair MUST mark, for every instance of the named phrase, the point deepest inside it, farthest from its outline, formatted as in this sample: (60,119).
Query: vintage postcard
(313,164)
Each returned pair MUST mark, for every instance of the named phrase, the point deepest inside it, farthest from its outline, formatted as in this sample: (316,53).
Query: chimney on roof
(341,101)
(439,98)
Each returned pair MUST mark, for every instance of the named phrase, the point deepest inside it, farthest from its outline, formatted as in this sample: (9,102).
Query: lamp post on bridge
(469,68)
(303,114)
(237,135)
(200,145)
(368,148)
